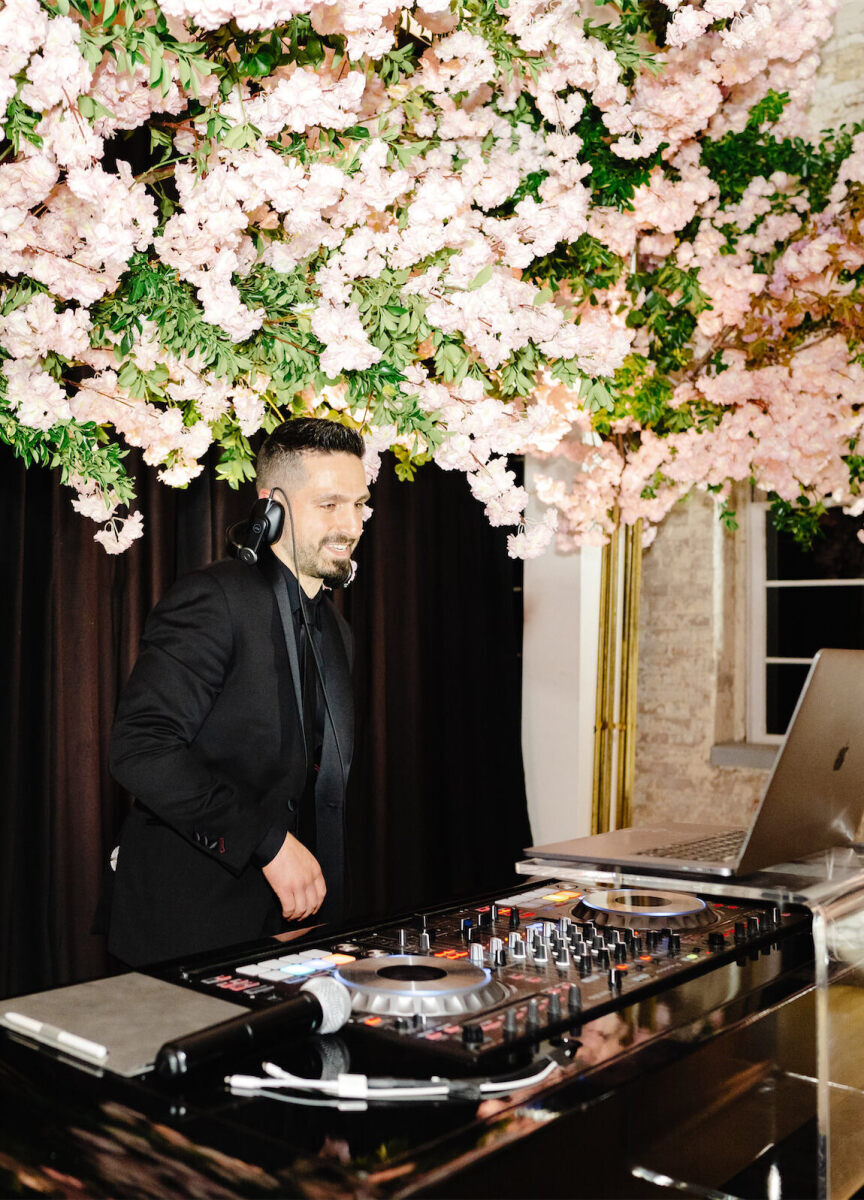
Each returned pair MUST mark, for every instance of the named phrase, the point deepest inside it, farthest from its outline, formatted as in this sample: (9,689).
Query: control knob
(532,1016)
(515,917)
(472,1035)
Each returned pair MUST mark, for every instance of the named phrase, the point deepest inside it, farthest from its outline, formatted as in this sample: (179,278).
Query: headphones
(262,527)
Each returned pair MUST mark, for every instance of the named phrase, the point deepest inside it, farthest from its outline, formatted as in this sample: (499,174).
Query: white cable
(359,1087)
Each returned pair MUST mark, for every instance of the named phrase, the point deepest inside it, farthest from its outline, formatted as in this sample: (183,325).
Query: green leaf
(480,278)
(90,108)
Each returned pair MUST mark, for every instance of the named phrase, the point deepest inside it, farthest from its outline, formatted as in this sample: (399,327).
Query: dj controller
(471,985)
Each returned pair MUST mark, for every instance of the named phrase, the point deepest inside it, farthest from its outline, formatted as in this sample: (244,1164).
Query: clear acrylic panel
(838,937)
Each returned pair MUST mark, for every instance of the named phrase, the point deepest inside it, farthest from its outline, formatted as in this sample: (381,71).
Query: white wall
(559,666)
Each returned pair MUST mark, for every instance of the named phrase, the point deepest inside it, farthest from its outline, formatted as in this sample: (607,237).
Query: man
(235,750)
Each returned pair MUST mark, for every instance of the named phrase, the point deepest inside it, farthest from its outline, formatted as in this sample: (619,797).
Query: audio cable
(360,1088)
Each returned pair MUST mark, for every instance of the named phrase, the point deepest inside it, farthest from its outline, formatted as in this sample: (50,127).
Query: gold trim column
(617,669)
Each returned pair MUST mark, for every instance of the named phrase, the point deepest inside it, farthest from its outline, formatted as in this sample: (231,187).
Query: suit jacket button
(292,805)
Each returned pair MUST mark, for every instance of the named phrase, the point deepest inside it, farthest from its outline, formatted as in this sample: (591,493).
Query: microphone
(322,1005)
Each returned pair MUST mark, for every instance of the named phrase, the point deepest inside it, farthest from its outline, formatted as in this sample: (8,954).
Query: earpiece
(263,528)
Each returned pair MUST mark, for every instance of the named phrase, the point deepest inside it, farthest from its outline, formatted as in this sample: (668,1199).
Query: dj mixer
(472,983)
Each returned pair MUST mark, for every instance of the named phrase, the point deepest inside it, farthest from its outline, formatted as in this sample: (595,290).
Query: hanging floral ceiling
(588,233)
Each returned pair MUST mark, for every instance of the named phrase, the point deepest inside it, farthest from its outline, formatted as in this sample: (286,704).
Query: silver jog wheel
(642,908)
(405,984)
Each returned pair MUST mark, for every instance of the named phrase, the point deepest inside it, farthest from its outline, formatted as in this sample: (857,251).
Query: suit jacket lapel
(340,695)
(335,762)
(272,569)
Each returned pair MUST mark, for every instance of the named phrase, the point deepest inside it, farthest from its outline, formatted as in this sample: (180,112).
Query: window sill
(757,756)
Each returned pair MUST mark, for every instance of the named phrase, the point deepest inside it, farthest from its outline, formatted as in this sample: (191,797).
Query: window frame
(758,658)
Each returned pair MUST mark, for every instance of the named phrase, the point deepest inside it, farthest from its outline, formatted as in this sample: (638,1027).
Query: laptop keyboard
(709,849)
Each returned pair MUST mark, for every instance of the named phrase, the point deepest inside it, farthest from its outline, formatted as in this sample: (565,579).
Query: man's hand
(295,877)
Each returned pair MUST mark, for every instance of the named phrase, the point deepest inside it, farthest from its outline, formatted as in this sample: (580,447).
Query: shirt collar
(312,603)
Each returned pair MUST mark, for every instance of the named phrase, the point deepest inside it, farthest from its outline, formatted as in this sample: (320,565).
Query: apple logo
(841,754)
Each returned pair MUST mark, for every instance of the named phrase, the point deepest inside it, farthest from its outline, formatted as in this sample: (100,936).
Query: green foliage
(635,18)
(737,158)
(76,449)
(613,179)
(671,300)
(586,266)
(800,519)
(21,123)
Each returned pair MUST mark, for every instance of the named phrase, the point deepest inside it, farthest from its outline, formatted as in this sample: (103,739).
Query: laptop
(813,801)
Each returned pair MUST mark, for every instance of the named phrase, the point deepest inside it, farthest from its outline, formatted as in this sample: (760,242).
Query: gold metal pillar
(617,666)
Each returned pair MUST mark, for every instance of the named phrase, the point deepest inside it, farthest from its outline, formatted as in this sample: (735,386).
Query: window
(799,601)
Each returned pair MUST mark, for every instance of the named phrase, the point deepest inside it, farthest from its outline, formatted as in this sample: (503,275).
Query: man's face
(327,497)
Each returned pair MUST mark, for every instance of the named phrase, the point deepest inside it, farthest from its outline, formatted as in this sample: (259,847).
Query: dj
(235,730)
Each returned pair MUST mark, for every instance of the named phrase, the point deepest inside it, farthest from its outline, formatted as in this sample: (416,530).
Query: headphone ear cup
(275,516)
(263,527)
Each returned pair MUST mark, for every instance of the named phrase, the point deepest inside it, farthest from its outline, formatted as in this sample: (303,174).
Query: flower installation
(593,234)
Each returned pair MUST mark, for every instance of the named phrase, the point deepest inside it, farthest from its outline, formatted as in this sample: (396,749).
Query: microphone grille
(335,1001)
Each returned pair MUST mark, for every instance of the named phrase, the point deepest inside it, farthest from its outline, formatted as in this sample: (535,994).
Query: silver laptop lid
(815,797)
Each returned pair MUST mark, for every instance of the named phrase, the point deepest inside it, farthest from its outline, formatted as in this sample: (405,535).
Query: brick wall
(839,97)
(691,648)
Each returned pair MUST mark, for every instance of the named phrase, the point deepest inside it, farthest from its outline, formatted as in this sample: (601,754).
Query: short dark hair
(283,449)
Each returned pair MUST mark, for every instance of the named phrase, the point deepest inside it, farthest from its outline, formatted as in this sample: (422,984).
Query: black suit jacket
(208,739)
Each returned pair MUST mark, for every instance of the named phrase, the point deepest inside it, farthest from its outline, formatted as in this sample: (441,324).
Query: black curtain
(437,795)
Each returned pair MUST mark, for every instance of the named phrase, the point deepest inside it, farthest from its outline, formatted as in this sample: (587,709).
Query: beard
(338,574)
(312,561)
